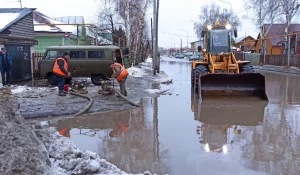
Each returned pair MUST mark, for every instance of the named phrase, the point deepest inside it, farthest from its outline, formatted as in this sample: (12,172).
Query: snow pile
(66,158)
(19,89)
(156,91)
(136,72)
(163,78)
(149,60)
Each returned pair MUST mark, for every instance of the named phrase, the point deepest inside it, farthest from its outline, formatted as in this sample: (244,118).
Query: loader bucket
(235,85)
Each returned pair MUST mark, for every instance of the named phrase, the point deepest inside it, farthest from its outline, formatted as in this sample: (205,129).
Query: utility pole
(20,3)
(156,28)
(181,46)
(154,39)
(289,50)
(187,38)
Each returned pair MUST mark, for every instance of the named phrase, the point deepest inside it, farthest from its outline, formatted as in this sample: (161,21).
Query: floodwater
(177,135)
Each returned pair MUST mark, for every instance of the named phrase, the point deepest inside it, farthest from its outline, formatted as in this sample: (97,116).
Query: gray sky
(174,15)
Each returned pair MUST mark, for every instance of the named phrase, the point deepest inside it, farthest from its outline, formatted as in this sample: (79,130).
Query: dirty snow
(19,89)
(6,18)
(66,158)
(136,72)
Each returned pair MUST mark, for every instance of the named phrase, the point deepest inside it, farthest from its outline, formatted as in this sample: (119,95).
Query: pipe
(87,107)
(129,101)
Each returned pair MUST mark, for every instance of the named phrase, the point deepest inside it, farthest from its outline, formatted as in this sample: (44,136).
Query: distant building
(60,31)
(17,35)
(195,44)
(246,42)
(275,44)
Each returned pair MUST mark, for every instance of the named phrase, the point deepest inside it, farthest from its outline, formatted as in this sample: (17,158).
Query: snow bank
(156,91)
(66,158)
(136,72)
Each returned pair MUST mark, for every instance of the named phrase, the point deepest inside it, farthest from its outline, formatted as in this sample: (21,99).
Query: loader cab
(218,40)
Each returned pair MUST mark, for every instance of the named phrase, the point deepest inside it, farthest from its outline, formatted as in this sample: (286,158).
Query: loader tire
(247,69)
(192,77)
(200,70)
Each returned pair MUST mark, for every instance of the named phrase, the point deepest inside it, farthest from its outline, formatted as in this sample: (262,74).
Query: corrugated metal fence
(276,60)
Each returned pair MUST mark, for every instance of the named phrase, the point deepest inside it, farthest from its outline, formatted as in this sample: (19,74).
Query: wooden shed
(17,36)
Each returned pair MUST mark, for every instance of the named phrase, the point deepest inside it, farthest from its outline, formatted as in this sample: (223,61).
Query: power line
(175,34)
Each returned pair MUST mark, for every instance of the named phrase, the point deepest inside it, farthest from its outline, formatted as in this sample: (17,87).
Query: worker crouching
(60,69)
(120,74)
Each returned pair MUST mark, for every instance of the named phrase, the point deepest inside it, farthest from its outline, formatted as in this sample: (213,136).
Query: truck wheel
(51,78)
(200,70)
(247,69)
(97,78)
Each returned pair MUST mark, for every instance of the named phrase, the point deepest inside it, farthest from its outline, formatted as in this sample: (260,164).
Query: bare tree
(289,9)
(210,14)
(132,13)
(263,10)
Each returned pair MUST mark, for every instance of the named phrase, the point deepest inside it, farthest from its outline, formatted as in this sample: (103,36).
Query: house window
(96,54)
(77,54)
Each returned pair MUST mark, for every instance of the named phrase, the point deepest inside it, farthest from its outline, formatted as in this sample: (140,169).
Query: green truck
(85,61)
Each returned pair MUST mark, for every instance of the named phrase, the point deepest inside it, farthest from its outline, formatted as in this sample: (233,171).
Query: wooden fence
(276,60)
(36,57)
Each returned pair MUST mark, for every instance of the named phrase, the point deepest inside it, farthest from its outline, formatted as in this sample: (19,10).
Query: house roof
(40,18)
(239,39)
(277,30)
(196,41)
(9,16)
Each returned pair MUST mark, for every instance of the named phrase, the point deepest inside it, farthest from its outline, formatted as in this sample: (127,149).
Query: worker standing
(5,66)
(120,74)
(60,69)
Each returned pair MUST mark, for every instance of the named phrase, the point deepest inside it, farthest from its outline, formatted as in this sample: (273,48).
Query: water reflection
(222,119)
(125,138)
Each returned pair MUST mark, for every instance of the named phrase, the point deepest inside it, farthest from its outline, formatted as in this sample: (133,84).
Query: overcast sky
(174,15)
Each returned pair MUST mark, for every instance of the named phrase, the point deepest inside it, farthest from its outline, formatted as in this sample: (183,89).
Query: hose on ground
(83,96)
(129,101)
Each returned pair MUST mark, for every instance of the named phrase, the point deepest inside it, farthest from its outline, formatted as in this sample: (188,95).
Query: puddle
(175,134)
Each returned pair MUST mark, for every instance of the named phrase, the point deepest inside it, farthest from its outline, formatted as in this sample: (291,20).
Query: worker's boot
(66,89)
(61,93)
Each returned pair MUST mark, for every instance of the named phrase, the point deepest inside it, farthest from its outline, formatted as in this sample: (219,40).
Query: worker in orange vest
(60,69)
(121,125)
(120,74)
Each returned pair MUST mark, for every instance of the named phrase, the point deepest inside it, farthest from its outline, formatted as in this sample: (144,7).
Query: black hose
(121,95)
(83,96)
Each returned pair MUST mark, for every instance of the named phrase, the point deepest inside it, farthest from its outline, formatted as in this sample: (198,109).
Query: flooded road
(175,134)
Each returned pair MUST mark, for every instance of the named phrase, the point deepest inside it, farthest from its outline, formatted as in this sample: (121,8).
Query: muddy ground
(38,100)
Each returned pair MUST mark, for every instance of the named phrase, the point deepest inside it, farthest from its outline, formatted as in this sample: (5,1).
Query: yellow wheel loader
(219,73)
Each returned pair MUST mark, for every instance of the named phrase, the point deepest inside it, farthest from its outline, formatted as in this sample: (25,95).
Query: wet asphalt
(175,134)
(40,99)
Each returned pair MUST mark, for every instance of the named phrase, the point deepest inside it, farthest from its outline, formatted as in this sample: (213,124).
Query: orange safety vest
(63,132)
(56,68)
(123,128)
(123,73)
